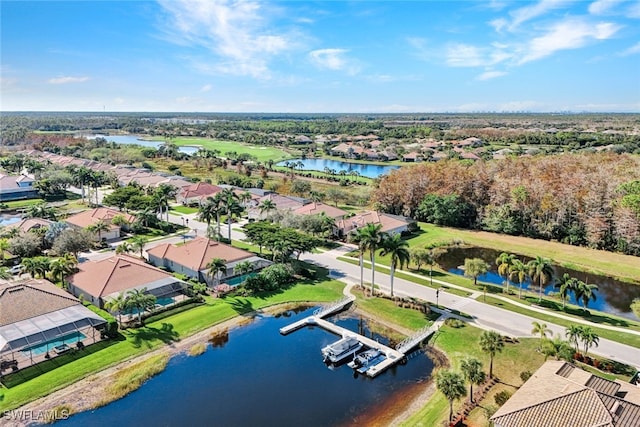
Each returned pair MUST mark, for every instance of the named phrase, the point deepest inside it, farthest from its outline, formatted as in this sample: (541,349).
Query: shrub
(502,397)
(197,349)
(454,323)
(525,375)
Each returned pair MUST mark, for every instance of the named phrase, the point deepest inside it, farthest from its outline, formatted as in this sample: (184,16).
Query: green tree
(4,246)
(117,305)
(491,343)
(140,300)
(566,284)
(519,270)
(451,384)
(635,307)
(473,373)
(574,334)
(541,271)
(589,338)
(137,244)
(474,267)
(98,227)
(542,330)
(210,210)
(585,292)
(267,206)
(557,348)
(62,267)
(504,263)
(215,267)
(72,240)
(4,274)
(356,238)
(371,238)
(397,248)
(242,268)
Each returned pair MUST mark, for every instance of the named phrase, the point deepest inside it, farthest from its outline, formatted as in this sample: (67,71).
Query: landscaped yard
(261,152)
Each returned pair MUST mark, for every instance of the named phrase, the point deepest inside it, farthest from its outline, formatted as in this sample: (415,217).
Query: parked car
(16,269)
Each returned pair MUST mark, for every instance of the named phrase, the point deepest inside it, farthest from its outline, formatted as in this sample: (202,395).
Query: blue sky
(335,56)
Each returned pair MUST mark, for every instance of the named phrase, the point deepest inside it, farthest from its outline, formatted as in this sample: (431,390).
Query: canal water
(134,140)
(253,376)
(368,170)
(613,296)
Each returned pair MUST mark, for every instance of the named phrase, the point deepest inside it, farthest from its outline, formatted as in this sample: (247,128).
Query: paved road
(485,316)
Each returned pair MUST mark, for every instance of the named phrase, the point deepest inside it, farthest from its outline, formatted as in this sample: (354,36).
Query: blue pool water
(165,301)
(235,281)
(68,339)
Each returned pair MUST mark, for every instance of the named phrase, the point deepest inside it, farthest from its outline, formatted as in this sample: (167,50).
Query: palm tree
(451,384)
(62,267)
(472,371)
(504,263)
(357,239)
(540,270)
(585,292)
(474,267)
(267,206)
(210,210)
(573,334)
(242,268)
(557,348)
(137,244)
(99,227)
(396,247)
(4,274)
(589,338)
(233,208)
(542,330)
(4,246)
(371,240)
(491,343)
(431,259)
(124,247)
(565,285)
(117,304)
(215,267)
(519,270)
(140,300)
(36,266)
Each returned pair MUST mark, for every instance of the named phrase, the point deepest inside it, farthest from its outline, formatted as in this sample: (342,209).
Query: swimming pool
(68,339)
(235,281)
(164,301)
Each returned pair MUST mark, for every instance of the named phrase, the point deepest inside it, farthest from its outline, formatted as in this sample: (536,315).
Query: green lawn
(260,152)
(185,210)
(41,380)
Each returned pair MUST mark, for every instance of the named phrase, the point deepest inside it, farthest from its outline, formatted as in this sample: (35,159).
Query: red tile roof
(197,253)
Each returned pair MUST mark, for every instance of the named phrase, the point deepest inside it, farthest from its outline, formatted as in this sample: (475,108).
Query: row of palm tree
(582,291)
(56,268)
(217,267)
(134,244)
(371,239)
(585,335)
(135,299)
(225,202)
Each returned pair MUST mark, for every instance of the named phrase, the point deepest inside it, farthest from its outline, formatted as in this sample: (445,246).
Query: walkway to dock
(420,335)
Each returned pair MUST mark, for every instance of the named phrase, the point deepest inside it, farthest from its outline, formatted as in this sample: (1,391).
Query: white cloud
(600,7)
(206,88)
(527,13)
(499,24)
(239,32)
(568,34)
(333,59)
(464,55)
(633,11)
(67,79)
(488,75)
(631,51)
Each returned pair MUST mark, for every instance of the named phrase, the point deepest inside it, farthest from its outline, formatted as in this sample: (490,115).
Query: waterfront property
(39,320)
(561,394)
(91,217)
(16,187)
(28,224)
(391,224)
(192,258)
(196,193)
(100,281)
(320,208)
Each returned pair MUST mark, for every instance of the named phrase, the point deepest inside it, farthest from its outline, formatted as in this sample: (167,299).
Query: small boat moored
(341,349)
(366,359)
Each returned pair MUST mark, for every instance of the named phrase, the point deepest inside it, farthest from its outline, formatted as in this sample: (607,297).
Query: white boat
(341,349)
(365,359)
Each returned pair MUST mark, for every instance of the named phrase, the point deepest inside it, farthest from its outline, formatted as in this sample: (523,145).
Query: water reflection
(613,296)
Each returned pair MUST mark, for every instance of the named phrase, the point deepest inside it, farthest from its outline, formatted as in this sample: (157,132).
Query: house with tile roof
(36,316)
(193,257)
(282,203)
(28,224)
(560,394)
(314,208)
(194,194)
(391,224)
(100,281)
(16,187)
(90,217)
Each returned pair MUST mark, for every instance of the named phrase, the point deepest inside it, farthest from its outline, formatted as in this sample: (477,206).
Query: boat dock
(392,355)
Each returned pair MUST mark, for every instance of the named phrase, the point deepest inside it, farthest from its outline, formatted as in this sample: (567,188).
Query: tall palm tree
(99,227)
(451,384)
(233,208)
(137,244)
(472,370)
(431,259)
(491,343)
(117,304)
(371,240)
(585,292)
(140,300)
(504,263)
(542,330)
(267,206)
(242,268)
(215,267)
(398,248)
(574,334)
(62,267)
(474,267)
(541,271)
(519,270)
(357,239)
(565,285)
(589,338)
(209,210)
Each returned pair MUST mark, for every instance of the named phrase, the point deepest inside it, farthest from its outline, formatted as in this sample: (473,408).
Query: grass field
(261,153)
(623,267)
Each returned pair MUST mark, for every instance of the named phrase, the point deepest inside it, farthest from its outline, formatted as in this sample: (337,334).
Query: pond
(255,376)
(613,296)
(6,219)
(368,170)
(134,140)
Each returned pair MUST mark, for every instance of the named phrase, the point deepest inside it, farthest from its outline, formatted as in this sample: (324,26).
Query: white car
(16,269)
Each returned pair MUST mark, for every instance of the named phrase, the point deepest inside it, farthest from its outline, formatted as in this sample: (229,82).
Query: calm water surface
(255,377)
(613,296)
(133,140)
(370,171)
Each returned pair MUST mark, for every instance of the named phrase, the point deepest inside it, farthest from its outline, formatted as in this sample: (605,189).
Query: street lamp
(437,295)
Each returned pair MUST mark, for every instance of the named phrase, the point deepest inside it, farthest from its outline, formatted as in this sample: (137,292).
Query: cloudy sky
(332,56)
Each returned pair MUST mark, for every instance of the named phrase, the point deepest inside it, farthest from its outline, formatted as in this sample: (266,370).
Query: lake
(254,376)
(368,170)
(613,296)
(134,140)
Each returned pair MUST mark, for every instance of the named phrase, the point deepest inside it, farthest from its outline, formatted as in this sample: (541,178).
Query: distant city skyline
(320,57)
